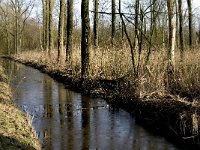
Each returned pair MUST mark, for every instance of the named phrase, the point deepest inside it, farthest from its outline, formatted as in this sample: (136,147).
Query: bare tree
(22,12)
(122,26)
(96,21)
(189,3)
(51,4)
(43,24)
(46,17)
(199,32)
(6,25)
(85,42)
(170,53)
(181,29)
(177,22)
(69,30)
(172,32)
(113,22)
(61,30)
(137,5)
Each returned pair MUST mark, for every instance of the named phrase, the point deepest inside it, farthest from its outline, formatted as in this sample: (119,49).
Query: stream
(64,119)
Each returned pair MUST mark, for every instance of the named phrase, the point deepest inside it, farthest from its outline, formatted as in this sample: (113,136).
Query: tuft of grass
(16,132)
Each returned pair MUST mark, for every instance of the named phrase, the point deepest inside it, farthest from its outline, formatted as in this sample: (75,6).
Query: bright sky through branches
(107,5)
(196,3)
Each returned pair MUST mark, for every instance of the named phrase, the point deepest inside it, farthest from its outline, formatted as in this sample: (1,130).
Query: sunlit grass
(16,131)
(114,63)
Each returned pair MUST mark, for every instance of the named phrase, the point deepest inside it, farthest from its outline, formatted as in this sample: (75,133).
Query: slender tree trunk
(65,26)
(8,42)
(181,30)
(177,24)
(113,22)
(61,30)
(137,4)
(189,3)
(69,31)
(122,28)
(96,22)
(163,30)
(172,32)
(152,29)
(41,37)
(85,42)
(47,26)
(154,17)
(172,35)
(16,35)
(140,37)
(43,24)
(130,44)
(199,33)
(51,3)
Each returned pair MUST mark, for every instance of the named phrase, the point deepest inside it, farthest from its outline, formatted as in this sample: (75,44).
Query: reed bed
(114,63)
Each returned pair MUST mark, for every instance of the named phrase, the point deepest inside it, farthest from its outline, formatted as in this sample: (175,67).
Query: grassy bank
(173,110)
(16,132)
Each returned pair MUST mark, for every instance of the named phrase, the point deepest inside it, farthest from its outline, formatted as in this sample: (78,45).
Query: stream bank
(15,132)
(170,116)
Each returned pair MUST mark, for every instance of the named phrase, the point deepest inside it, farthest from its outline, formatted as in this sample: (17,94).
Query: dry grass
(16,131)
(113,63)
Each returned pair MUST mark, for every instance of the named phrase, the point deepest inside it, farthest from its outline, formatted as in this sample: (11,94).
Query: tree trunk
(61,30)
(113,22)
(122,25)
(16,35)
(137,3)
(172,32)
(85,42)
(47,26)
(199,33)
(172,36)
(163,30)
(96,21)
(189,3)
(181,30)
(43,24)
(69,31)
(50,25)
(140,38)
(177,24)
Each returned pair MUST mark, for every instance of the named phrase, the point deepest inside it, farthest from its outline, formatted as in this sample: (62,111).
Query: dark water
(66,120)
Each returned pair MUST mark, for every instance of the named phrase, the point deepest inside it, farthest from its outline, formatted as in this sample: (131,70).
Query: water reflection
(67,120)
(47,97)
(85,122)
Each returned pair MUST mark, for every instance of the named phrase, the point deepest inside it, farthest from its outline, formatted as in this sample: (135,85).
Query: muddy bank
(16,131)
(170,116)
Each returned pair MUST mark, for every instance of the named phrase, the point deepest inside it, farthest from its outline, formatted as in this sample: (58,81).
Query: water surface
(66,120)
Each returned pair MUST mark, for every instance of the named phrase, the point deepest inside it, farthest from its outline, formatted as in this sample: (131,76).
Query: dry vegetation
(175,104)
(16,132)
(115,63)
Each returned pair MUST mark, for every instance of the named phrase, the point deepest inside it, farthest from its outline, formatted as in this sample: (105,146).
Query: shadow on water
(65,119)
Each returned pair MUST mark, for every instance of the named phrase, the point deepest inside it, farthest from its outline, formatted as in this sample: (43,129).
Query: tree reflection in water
(67,120)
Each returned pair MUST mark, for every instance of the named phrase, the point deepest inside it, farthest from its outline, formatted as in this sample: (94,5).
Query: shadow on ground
(9,143)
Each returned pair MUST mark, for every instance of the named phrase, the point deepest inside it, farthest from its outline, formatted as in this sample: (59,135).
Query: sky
(77,5)
(196,3)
